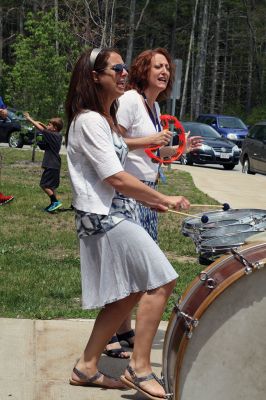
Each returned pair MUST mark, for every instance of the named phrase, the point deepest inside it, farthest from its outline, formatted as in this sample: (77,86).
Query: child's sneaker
(54,206)
(5,199)
(46,208)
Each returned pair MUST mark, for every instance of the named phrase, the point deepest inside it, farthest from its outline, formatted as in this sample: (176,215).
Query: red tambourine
(151,151)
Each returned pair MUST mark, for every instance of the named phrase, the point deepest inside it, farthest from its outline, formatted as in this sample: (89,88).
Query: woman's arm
(156,139)
(132,187)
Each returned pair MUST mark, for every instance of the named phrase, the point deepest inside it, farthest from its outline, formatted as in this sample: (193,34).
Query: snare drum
(224,357)
(192,226)
(213,248)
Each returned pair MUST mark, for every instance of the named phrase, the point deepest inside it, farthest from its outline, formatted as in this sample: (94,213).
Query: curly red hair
(140,68)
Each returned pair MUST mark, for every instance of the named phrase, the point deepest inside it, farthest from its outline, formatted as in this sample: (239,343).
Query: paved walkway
(37,356)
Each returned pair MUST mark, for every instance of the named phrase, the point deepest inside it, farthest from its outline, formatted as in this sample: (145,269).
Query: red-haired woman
(150,79)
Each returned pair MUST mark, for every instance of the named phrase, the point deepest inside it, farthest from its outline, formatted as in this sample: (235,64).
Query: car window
(209,120)
(260,134)
(201,130)
(253,131)
(231,122)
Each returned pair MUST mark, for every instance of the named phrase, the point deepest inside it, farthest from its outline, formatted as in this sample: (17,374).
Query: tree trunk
(216,57)
(201,60)
(249,80)
(56,23)
(131,31)
(184,94)
(224,66)
(173,33)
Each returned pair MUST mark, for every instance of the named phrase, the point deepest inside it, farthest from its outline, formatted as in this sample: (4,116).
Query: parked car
(253,156)
(229,127)
(16,130)
(214,150)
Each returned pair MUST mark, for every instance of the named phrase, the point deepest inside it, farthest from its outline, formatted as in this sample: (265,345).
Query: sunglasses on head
(119,68)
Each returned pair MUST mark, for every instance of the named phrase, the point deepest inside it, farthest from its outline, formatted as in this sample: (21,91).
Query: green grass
(39,257)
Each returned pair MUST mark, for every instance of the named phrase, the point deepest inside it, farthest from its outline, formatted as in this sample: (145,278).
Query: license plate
(225,155)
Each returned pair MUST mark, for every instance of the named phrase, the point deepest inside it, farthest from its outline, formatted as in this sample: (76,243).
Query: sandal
(116,353)
(136,381)
(125,337)
(86,381)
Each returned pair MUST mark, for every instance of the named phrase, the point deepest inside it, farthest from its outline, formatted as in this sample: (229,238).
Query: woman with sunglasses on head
(120,263)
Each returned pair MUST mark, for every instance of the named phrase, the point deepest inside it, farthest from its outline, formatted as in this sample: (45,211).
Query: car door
(3,130)
(260,150)
(255,147)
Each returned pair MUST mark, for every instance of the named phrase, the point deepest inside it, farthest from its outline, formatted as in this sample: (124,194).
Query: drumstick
(224,206)
(204,218)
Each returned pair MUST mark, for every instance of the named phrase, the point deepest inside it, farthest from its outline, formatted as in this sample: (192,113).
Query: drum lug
(209,282)
(249,267)
(190,322)
(162,382)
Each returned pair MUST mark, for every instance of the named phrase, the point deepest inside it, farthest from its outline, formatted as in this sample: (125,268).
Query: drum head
(226,356)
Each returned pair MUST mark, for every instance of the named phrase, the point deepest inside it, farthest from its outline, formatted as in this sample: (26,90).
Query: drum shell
(195,302)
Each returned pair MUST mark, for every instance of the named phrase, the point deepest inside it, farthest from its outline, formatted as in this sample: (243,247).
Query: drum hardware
(250,267)
(162,383)
(209,282)
(190,322)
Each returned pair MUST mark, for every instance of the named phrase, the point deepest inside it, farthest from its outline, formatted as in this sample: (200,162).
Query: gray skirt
(122,261)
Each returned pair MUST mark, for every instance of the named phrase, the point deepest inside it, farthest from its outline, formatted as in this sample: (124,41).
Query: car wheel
(189,161)
(246,167)
(15,140)
(183,160)
(229,167)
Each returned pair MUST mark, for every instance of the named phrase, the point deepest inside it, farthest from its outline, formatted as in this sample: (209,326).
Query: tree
(40,76)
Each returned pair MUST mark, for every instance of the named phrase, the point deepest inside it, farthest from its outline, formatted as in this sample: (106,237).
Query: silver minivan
(253,155)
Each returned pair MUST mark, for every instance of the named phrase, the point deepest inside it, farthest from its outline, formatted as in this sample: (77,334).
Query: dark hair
(83,92)
(140,68)
(57,123)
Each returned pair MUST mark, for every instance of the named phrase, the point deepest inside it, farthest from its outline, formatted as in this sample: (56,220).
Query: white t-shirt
(133,116)
(92,158)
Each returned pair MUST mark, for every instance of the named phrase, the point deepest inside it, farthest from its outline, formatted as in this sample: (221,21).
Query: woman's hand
(178,203)
(174,202)
(168,151)
(161,138)
(192,143)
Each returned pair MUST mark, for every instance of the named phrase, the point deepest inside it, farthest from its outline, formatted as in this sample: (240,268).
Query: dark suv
(253,156)
(16,130)
(229,127)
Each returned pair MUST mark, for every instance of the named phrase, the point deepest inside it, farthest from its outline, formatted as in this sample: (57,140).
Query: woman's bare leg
(124,327)
(107,322)
(150,310)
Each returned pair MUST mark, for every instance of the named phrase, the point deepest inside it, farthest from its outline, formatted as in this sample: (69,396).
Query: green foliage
(257,114)
(39,77)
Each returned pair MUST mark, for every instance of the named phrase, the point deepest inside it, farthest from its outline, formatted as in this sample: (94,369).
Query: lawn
(39,257)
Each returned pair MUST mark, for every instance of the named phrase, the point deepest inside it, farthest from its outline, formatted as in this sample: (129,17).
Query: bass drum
(224,357)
